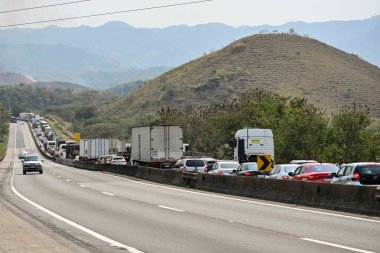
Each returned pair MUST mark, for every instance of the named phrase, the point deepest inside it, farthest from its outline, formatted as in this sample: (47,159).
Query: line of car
(364,173)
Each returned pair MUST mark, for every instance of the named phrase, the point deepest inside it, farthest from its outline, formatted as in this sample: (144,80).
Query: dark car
(315,172)
(358,174)
(249,170)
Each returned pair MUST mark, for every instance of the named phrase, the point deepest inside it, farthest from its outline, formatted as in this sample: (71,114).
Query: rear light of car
(356,177)
(311,177)
(248,174)
(220,173)
(183,168)
(285,177)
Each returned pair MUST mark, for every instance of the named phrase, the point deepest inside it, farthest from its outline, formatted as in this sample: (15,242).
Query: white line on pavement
(170,208)
(245,200)
(107,193)
(68,180)
(336,245)
(71,223)
(83,186)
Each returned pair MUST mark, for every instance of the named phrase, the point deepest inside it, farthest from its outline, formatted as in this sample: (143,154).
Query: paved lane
(156,218)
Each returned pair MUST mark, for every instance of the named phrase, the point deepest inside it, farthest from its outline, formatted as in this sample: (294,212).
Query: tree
(292,31)
(350,124)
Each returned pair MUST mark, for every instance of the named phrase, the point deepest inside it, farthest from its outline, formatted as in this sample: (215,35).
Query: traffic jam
(162,146)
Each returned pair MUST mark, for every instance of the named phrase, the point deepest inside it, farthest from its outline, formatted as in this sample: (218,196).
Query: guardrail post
(377,195)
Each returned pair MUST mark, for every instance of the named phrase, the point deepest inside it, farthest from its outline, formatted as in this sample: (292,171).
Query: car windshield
(290,168)
(195,163)
(369,170)
(229,165)
(250,167)
(31,158)
(324,168)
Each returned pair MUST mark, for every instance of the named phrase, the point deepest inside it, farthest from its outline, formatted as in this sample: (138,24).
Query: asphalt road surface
(107,213)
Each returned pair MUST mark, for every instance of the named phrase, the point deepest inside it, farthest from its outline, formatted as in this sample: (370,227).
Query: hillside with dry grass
(287,64)
(12,79)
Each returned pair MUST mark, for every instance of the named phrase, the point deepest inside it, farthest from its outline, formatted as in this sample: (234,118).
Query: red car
(315,172)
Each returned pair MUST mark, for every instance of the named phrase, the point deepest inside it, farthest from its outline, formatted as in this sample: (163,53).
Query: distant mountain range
(118,53)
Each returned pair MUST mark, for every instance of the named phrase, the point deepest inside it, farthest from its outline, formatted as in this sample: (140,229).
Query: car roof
(361,163)
(301,161)
(289,165)
(308,164)
(249,163)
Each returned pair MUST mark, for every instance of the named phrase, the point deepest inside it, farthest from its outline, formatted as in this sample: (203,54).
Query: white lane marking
(83,186)
(246,201)
(71,223)
(68,180)
(59,176)
(336,245)
(107,193)
(172,209)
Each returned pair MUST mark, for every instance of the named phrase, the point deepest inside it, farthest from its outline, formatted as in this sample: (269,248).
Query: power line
(44,6)
(107,13)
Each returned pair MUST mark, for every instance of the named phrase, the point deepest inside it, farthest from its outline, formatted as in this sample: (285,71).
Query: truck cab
(251,142)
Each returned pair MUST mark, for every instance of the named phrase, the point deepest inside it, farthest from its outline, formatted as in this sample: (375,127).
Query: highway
(110,213)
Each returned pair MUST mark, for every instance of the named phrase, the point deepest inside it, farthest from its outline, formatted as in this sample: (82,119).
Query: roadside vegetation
(301,130)
(4,129)
(61,128)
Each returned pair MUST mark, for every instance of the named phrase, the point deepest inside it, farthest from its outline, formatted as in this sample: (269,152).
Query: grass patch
(2,149)
(60,127)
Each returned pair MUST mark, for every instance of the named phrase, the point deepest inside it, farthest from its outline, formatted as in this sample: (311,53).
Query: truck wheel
(41,172)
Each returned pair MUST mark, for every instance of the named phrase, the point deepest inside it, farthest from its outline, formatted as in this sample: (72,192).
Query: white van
(50,145)
(62,151)
(249,143)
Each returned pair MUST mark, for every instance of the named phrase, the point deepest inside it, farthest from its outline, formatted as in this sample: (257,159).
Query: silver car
(224,168)
(281,171)
(363,173)
(191,165)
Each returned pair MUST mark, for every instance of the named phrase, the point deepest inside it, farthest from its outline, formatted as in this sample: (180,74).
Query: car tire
(41,172)
(24,172)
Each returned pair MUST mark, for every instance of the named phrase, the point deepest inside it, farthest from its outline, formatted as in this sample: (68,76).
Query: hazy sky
(231,12)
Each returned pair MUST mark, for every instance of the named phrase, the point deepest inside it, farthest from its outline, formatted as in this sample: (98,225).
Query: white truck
(249,143)
(92,149)
(158,146)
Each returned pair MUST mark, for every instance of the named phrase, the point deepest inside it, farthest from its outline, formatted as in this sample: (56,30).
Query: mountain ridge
(117,46)
(290,65)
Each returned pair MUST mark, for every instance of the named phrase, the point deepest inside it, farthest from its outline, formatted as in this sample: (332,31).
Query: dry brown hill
(12,79)
(287,64)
